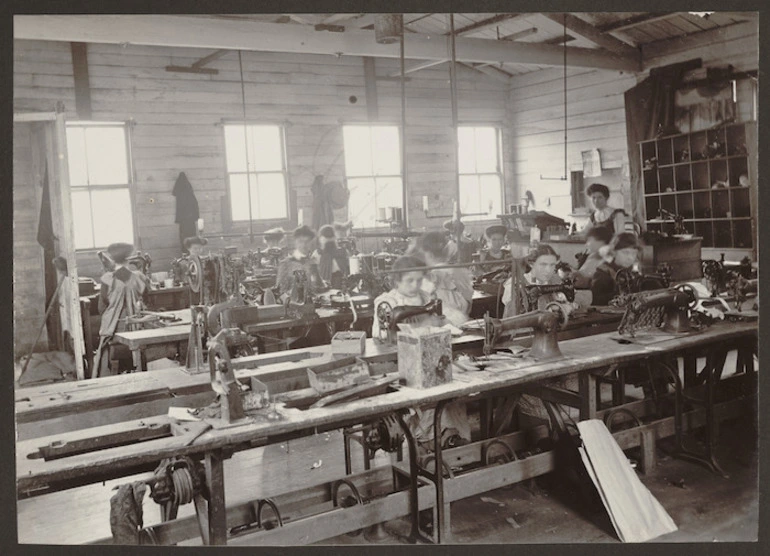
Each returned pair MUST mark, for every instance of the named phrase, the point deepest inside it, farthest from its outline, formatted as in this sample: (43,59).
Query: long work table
(587,357)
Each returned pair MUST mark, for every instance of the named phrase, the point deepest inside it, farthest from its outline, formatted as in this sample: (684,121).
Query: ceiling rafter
(591,33)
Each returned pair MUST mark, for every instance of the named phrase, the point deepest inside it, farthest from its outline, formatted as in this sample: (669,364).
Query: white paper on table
(181,414)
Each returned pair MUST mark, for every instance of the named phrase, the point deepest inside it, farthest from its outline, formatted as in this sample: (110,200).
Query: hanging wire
(565,176)
(404,191)
(453,90)
(246,147)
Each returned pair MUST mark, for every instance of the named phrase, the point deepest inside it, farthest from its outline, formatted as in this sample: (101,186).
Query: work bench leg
(137,357)
(690,369)
(443,518)
(414,474)
(217,515)
(587,389)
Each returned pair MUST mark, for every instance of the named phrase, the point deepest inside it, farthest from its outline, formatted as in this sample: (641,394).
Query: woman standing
(603,214)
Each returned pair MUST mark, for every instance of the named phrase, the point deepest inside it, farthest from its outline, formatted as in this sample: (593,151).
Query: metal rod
(453,90)
(246,146)
(454,265)
(404,180)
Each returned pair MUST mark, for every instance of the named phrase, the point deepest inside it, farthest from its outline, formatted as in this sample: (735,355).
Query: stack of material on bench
(635,513)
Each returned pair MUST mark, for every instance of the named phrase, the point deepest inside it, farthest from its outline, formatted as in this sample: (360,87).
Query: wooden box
(425,356)
(684,257)
(267,313)
(349,342)
(338,374)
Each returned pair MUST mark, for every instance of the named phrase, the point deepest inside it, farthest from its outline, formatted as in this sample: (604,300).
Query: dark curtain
(322,206)
(650,113)
(186,207)
(45,237)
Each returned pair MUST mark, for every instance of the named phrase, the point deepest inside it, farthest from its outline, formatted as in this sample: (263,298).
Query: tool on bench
(670,310)
(344,380)
(389,317)
(545,324)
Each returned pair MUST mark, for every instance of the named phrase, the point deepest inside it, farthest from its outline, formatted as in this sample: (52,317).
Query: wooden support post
(217,514)
(587,385)
(370,81)
(649,457)
(82,84)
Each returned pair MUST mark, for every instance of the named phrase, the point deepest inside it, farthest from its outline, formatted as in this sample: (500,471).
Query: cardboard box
(350,342)
(425,356)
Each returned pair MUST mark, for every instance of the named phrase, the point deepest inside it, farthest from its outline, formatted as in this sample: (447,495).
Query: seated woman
(495,236)
(603,214)
(542,264)
(332,261)
(622,252)
(453,286)
(407,290)
(595,240)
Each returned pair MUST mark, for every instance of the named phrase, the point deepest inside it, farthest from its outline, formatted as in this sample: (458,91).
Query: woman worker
(622,252)
(495,236)
(603,214)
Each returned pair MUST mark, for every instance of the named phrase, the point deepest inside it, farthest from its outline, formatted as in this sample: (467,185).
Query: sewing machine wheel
(691,293)
(219,361)
(556,307)
(195,273)
(384,315)
(625,280)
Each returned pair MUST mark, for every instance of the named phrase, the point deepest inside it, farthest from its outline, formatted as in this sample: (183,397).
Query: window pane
(358,150)
(265,153)
(361,206)
(486,149)
(111,211)
(386,149)
(81,219)
(76,155)
(239,197)
(469,194)
(107,156)
(388,192)
(466,150)
(490,195)
(235,148)
(269,196)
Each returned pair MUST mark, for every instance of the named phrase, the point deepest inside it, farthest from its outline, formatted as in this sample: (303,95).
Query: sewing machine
(670,310)
(141,262)
(535,291)
(214,278)
(389,317)
(544,323)
(631,281)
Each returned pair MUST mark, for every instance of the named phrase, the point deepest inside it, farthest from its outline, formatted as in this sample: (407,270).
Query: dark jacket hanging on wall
(651,111)
(187,213)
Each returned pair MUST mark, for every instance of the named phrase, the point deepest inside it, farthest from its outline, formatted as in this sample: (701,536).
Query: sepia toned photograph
(360,279)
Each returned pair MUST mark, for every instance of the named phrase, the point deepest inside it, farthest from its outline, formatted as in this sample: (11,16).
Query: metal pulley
(195,273)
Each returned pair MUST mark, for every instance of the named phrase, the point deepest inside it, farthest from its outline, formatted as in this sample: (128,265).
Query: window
(100,182)
(256,172)
(373,171)
(481,180)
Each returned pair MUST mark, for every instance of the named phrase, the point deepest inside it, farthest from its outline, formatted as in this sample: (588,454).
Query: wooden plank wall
(28,283)
(176,123)
(596,112)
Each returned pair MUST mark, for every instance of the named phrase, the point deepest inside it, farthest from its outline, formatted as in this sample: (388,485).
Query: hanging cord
(404,192)
(246,146)
(564,44)
(453,91)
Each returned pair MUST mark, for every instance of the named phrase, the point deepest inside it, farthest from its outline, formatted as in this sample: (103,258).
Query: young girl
(542,263)
(494,252)
(453,286)
(407,290)
(622,252)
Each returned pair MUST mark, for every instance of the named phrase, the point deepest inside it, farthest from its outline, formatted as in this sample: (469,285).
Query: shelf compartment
(682,177)
(742,235)
(665,153)
(720,204)
(737,167)
(681,148)
(666,180)
(723,236)
(704,230)
(741,202)
(700,175)
(650,181)
(653,207)
(718,173)
(702,202)
(684,205)
(698,146)
(668,202)
(648,153)
(736,140)
(716,143)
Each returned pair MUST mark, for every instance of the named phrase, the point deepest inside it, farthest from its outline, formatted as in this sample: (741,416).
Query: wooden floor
(709,508)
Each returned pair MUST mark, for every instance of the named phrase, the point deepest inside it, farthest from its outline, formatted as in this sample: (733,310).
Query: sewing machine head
(545,324)
(389,317)
(630,281)
(668,310)
(535,291)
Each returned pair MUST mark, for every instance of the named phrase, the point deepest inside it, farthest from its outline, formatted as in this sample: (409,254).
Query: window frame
(400,175)
(127,126)
(282,131)
(499,132)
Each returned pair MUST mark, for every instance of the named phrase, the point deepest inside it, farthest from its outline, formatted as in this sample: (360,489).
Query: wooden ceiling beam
(634,21)
(591,33)
(193,32)
(519,34)
(484,23)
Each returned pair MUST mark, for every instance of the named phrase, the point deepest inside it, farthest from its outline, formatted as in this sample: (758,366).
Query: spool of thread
(355,265)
